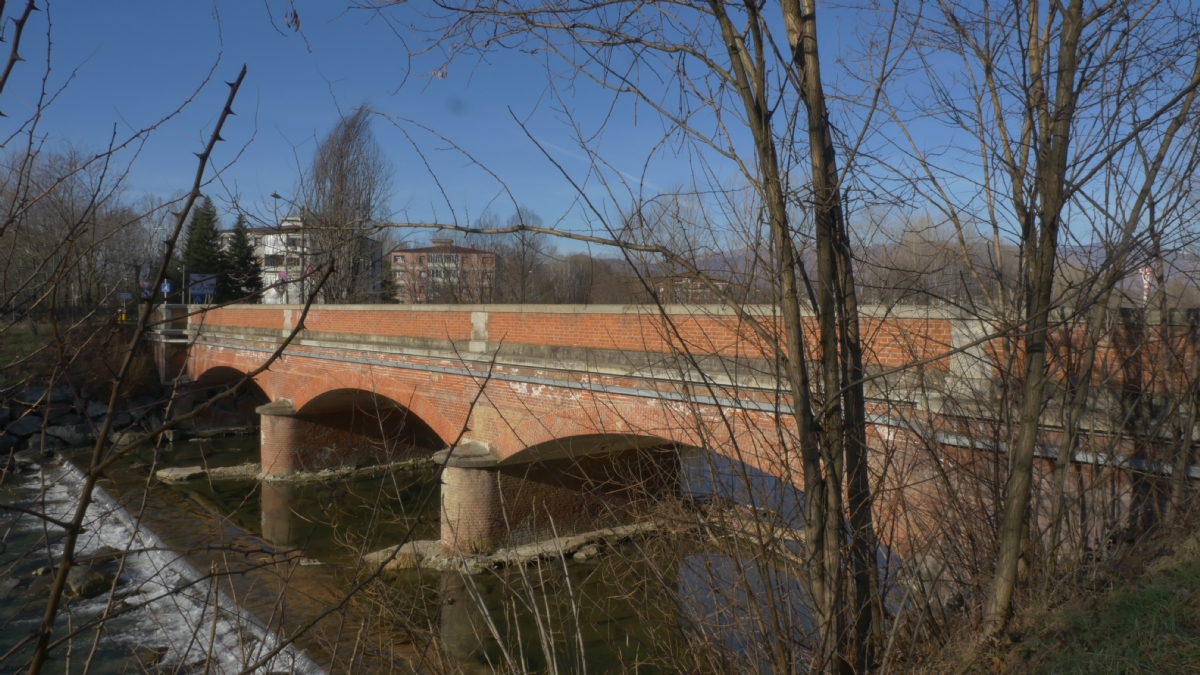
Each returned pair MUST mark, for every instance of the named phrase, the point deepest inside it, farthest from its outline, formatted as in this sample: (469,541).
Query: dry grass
(1140,616)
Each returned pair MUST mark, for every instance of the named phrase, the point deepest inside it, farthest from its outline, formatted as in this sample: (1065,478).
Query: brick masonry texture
(519,418)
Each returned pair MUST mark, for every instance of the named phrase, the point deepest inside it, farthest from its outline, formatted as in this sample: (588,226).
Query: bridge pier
(280,435)
(472,519)
(488,504)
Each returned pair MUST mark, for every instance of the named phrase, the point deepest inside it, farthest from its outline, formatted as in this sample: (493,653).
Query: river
(273,558)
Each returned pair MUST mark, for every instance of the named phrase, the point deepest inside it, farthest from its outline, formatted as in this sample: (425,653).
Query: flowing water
(283,555)
(167,608)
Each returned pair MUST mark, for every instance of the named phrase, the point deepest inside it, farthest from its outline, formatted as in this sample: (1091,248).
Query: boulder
(32,394)
(5,415)
(32,456)
(141,406)
(37,393)
(57,412)
(126,437)
(69,419)
(96,410)
(26,426)
(180,474)
(586,553)
(122,419)
(149,657)
(38,444)
(102,555)
(88,581)
(8,443)
(7,584)
(72,435)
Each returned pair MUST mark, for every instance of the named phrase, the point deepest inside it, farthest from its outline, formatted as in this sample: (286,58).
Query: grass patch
(1151,625)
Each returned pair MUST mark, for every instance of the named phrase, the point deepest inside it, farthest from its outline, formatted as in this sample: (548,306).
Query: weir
(167,607)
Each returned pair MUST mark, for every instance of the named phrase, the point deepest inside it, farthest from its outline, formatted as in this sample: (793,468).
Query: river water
(282,557)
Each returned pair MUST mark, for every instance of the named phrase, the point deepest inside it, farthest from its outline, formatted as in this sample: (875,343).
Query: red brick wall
(890,342)
(278,446)
(513,416)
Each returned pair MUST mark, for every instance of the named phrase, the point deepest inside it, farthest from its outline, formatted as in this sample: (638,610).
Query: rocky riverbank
(39,418)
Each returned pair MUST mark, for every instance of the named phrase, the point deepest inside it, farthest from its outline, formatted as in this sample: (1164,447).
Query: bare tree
(725,66)
(1073,118)
(343,204)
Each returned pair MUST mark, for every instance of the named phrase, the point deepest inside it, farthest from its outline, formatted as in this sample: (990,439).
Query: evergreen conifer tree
(242,277)
(202,248)
(387,285)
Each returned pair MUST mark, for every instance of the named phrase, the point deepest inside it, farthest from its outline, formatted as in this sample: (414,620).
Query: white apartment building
(288,274)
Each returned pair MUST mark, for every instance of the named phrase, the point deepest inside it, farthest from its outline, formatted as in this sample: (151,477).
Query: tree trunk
(1050,182)
(844,414)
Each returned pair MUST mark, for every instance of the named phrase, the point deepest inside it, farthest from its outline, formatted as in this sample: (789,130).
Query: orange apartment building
(443,273)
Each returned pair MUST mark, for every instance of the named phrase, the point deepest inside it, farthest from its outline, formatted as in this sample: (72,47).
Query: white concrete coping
(868,311)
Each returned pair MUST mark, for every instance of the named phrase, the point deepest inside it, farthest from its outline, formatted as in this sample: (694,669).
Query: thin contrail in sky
(584,158)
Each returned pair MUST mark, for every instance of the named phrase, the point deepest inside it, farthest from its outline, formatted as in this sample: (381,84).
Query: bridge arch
(735,434)
(340,390)
(224,375)
(644,451)
(239,410)
(614,425)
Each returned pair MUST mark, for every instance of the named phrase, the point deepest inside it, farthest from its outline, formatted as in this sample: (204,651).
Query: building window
(421,260)
(399,274)
(273,261)
(422,274)
(487,260)
(398,259)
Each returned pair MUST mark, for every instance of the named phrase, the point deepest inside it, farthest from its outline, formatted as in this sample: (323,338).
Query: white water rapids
(177,611)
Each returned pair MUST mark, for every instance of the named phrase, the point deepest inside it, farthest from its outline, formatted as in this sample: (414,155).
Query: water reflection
(743,610)
(707,476)
(461,620)
(279,525)
(645,607)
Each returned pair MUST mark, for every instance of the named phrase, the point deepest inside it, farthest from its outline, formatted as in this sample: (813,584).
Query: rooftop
(440,246)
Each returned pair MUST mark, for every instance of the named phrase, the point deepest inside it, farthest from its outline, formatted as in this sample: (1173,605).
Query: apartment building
(287,271)
(443,273)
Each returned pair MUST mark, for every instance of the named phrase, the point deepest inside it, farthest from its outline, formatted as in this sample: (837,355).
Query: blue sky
(134,61)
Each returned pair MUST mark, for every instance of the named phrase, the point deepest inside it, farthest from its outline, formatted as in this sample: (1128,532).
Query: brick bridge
(543,413)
